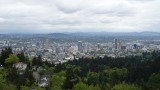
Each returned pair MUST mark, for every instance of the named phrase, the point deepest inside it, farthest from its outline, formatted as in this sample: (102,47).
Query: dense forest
(128,73)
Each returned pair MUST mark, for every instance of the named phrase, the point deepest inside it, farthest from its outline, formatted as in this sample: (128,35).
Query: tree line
(121,73)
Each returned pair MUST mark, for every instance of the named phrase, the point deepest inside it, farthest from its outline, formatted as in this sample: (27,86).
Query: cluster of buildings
(61,52)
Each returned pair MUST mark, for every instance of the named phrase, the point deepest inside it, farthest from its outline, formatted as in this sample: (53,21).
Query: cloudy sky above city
(47,16)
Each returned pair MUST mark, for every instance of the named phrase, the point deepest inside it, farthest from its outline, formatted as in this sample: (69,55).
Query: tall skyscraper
(80,46)
(134,46)
(98,45)
(119,44)
(115,44)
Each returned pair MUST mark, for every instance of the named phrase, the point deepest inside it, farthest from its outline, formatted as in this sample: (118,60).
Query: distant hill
(117,34)
(58,34)
(88,36)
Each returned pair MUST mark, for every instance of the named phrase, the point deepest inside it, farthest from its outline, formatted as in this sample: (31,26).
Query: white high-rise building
(47,44)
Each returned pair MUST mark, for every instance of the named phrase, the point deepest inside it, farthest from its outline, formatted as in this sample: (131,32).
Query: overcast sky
(45,16)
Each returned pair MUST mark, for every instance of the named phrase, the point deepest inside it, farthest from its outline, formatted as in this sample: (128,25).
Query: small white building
(20,66)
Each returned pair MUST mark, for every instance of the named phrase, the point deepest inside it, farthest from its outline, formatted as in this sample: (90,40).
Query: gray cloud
(68,6)
(62,22)
(67,9)
(54,15)
(142,0)
(116,10)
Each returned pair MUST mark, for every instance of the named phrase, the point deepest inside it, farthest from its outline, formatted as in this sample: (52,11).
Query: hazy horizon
(81,32)
(58,16)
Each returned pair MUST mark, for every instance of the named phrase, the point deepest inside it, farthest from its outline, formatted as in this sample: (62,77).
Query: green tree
(37,61)
(35,87)
(57,82)
(25,88)
(8,87)
(3,74)
(114,75)
(2,81)
(154,81)
(81,86)
(93,78)
(96,87)
(5,54)
(125,86)
(12,59)
(22,57)
(72,76)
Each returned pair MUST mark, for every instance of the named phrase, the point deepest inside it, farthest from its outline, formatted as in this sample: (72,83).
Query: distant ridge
(108,33)
(64,34)
(59,34)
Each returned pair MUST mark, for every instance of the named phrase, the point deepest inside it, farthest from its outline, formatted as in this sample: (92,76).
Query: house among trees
(21,67)
(45,81)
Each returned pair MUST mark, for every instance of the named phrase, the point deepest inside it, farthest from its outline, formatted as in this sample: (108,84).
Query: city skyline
(51,16)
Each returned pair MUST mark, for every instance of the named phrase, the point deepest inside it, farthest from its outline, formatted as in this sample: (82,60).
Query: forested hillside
(128,73)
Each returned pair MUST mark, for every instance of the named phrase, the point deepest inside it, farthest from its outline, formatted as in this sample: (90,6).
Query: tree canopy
(12,59)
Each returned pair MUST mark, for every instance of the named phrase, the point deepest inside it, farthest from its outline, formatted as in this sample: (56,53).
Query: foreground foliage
(127,73)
